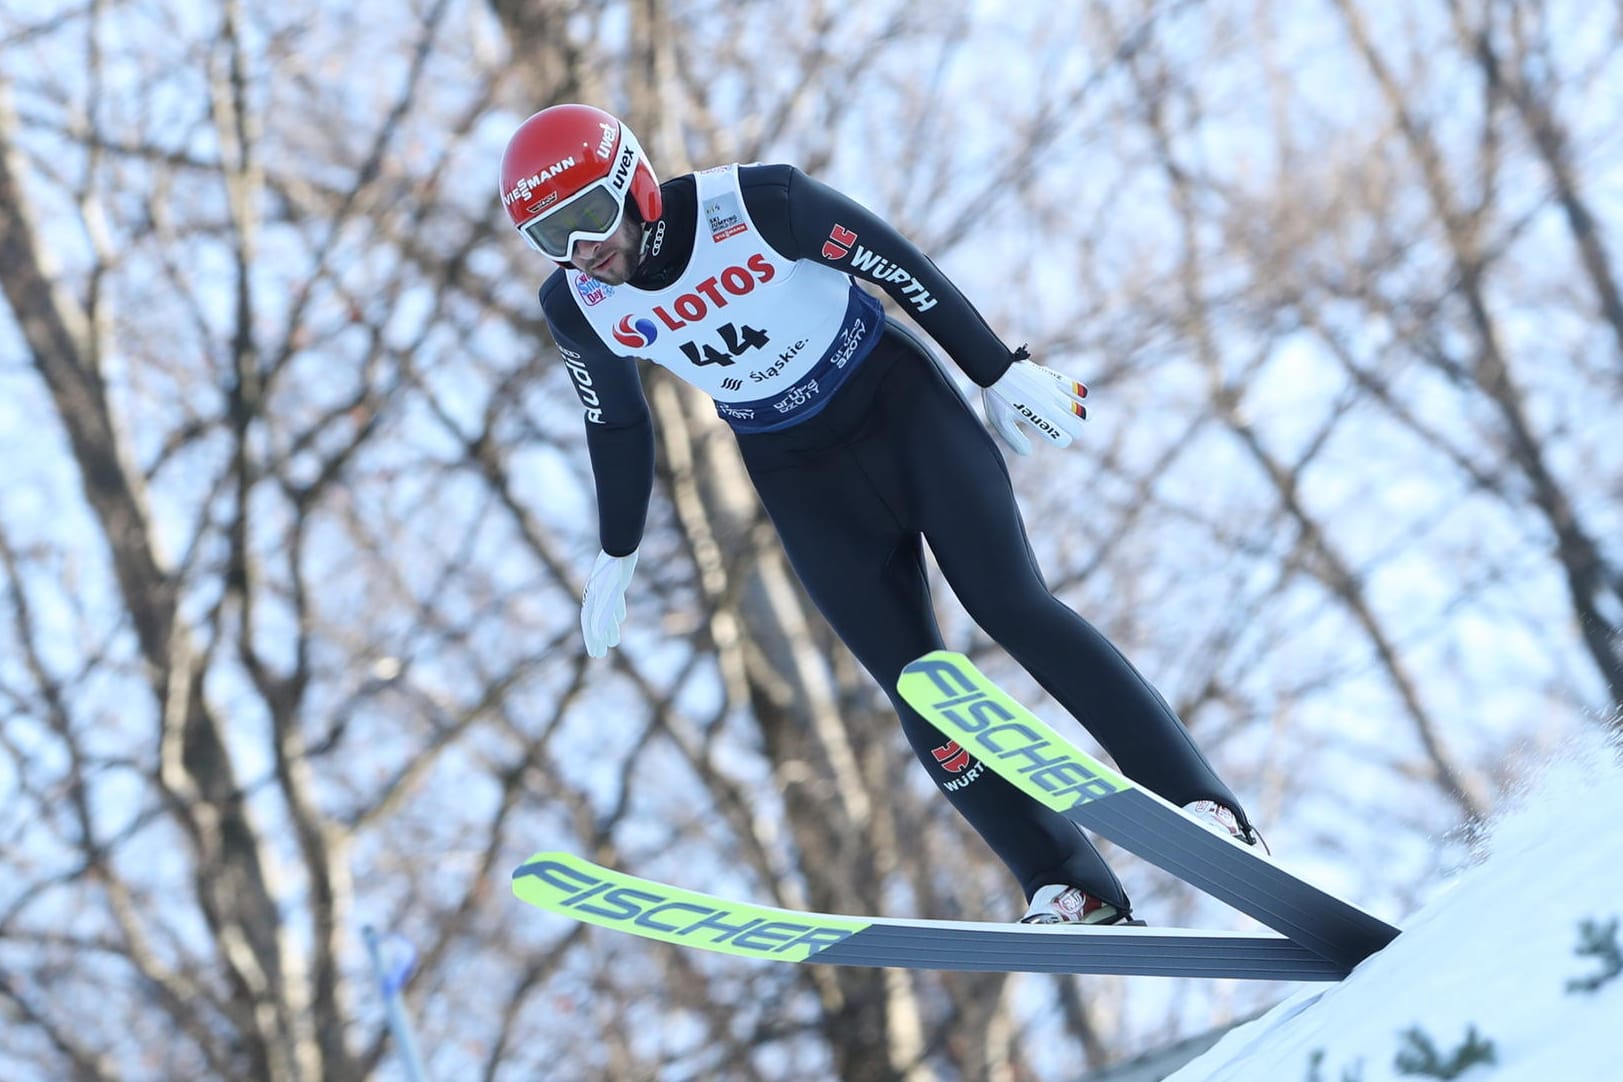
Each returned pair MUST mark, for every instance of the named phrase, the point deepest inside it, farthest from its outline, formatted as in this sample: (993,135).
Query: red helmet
(565,176)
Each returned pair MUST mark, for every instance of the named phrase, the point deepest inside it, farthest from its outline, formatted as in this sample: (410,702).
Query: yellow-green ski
(959,700)
(581,890)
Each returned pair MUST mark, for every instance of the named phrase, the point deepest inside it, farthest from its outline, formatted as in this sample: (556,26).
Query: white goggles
(593,213)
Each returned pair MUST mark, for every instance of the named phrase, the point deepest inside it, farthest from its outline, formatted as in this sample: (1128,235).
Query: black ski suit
(894,460)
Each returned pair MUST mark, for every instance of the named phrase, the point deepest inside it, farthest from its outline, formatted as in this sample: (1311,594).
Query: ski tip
(545,856)
(936,657)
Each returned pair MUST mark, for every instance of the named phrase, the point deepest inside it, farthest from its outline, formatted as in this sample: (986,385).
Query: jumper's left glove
(1037,396)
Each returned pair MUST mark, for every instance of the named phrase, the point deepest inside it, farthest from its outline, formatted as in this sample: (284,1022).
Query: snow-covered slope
(1491,962)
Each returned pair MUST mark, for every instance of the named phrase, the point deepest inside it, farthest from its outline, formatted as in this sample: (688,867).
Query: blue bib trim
(859,332)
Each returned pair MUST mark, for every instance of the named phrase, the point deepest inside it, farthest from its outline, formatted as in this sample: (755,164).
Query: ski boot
(1220,819)
(1060,904)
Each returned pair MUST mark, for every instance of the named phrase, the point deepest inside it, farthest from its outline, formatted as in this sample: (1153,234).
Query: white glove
(603,609)
(1041,397)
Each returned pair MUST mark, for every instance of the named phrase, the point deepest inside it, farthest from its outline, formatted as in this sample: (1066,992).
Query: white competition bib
(769,339)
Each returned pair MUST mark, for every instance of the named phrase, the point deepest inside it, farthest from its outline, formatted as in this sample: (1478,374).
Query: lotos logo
(713,292)
(952,757)
(635,333)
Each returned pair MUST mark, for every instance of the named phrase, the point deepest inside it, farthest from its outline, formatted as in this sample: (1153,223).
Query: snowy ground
(1490,963)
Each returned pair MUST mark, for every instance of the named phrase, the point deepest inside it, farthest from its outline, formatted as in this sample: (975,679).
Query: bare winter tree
(1347,278)
(320,474)
(297,506)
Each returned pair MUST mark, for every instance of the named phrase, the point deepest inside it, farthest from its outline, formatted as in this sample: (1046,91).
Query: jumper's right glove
(603,609)
(1040,397)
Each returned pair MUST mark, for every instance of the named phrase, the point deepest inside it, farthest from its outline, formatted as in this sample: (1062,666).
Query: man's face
(612,260)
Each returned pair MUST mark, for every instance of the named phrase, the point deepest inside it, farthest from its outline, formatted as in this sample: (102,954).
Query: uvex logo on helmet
(622,170)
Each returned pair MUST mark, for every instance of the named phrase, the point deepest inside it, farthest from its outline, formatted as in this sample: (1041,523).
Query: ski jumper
(862,451)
